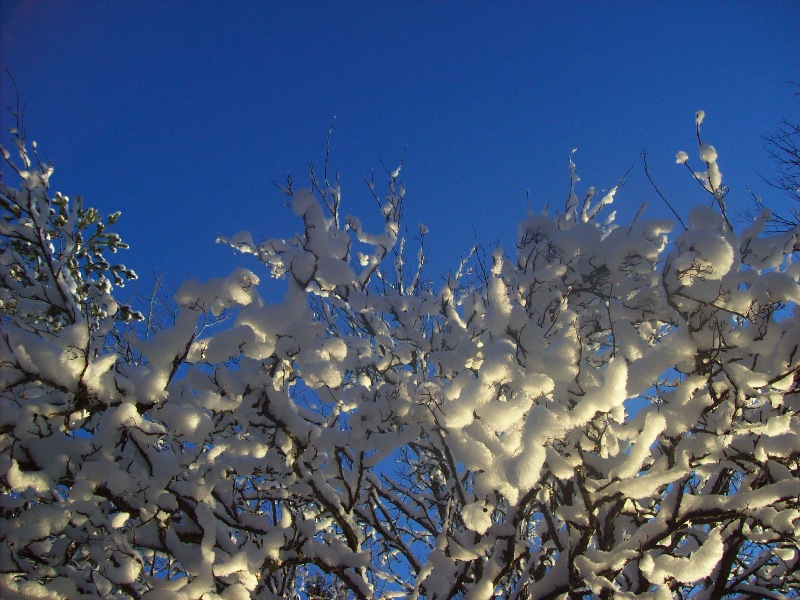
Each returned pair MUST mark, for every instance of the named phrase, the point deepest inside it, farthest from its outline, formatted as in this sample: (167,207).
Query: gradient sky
(181,114)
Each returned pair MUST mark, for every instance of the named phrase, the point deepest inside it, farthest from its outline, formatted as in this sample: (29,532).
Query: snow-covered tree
(607,411)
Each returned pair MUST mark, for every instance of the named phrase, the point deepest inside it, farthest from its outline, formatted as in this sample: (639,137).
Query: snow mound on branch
(477,517)
(603,398)
(702,255)
(216,295)
(687,569)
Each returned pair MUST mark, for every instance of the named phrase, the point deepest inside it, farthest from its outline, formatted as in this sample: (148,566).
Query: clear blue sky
(181,114)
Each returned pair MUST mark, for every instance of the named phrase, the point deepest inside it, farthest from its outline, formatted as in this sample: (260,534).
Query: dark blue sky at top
(182,114)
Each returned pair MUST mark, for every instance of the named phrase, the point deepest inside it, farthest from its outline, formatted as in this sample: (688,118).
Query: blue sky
(181,114)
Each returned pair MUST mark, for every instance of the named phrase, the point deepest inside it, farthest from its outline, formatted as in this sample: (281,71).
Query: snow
(162,594)
(702,255)
(654,424)
(582,383)
(125,572)
(27,480)
(714,176)
(186,420)
(540,427)
(238,562)
(243,240)
(708,153)
(499,308)
(229,343)
(23,590)
(477,517)
(611,394)
(688,569)
(237,591)
(238,289)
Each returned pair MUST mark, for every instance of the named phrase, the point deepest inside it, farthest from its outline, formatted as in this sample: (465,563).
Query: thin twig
(655,187)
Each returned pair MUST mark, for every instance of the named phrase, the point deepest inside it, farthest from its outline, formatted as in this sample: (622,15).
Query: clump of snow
(322,366)
(654,424)
(708,153)
(229,343)
(603,398)
(702,255)
(186,421)
(477,517)
(122,569)
(216,295)
(11,589)
(499,310)
(21,481)
(687,569)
